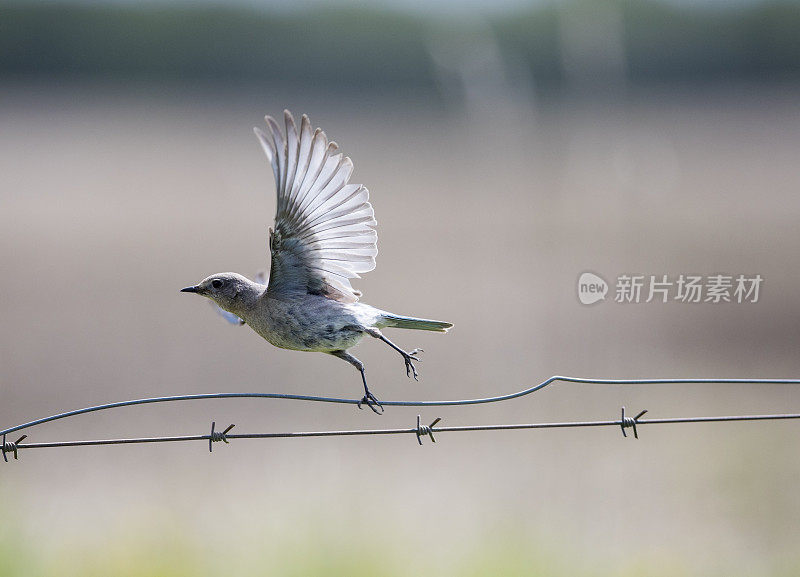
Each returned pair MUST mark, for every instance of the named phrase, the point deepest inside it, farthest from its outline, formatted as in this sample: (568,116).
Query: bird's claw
(372,402)
(409,358)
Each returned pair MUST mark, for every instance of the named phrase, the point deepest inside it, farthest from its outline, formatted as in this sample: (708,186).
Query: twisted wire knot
(9,447)
(217,436)
(630,423)
(423,430)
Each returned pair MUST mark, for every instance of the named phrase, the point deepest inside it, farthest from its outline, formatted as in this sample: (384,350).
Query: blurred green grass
(166,550)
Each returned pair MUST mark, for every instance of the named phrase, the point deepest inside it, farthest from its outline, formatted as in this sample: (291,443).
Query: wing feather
(315,165)
(324,233)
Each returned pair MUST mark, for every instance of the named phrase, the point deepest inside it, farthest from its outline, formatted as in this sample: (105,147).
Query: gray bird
(323,237)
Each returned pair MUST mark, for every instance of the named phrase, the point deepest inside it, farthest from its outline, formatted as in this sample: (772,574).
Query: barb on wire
(216,437)
(445,403)
(9,447)
(423,430)
(628,422)
(419,430)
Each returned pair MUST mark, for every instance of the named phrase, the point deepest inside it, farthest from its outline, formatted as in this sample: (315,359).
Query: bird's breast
(306,323)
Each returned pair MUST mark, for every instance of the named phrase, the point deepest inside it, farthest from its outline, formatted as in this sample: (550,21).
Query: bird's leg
(369,399)
(409,358)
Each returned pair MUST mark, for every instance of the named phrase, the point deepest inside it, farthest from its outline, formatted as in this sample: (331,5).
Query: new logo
(591,288)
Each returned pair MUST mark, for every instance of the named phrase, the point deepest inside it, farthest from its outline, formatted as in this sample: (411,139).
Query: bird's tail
(401,322)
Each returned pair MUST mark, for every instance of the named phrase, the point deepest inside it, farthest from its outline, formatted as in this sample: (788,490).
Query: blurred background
(508,148)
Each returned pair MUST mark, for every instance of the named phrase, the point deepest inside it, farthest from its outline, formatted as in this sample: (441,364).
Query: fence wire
(624,422)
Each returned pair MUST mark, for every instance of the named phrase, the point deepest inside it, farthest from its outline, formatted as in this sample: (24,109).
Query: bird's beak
(191,289)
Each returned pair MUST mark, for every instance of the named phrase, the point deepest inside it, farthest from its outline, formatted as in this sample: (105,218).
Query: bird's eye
(216,283)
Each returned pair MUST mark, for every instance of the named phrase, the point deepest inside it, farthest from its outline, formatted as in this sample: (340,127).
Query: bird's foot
(372,402)
(411,370)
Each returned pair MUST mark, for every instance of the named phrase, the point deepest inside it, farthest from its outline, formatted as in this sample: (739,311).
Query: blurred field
(113,199)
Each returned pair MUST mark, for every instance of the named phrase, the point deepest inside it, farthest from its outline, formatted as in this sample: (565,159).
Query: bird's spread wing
(323,233)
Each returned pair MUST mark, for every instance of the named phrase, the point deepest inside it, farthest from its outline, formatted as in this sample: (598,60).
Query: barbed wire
(420,431)
(13,447)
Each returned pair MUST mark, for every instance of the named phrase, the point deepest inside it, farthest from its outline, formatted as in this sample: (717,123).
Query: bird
(324,235)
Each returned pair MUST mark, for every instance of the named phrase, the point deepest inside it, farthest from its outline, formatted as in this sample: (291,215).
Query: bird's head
(227,289)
